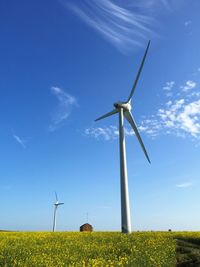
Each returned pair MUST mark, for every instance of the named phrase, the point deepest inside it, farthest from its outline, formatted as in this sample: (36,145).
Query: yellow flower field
(40,249)
(86,249)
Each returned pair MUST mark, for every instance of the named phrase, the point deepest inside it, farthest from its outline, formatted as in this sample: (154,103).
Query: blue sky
(63,64)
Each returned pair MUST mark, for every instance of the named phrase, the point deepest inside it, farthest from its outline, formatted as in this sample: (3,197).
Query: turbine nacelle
(58,203)
(126,106)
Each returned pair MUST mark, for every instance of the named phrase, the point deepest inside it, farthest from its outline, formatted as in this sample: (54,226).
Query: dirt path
(188,253)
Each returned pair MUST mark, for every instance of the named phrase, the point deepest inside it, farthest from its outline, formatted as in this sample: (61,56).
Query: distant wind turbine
(56,204)
(124,110)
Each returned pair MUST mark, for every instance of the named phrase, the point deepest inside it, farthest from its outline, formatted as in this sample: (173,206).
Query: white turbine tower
(124,110)
(56,204)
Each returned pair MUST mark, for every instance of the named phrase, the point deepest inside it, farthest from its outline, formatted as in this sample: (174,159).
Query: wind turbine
(124,110)
(56,204)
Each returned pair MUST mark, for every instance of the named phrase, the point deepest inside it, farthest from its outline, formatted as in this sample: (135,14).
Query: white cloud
(19,140)
(168,86)
(189,118)
(65,104)
(178,117)
(184,185)
(189,85)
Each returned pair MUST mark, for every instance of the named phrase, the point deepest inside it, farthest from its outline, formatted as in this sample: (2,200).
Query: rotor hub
(125,106)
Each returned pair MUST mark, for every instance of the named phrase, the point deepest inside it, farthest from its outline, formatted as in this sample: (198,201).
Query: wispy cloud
(125,24)
(184,185)
(168,88)
(105,133)
(187,23)
(110,132)
(19,140)
(65,104)
(189,85)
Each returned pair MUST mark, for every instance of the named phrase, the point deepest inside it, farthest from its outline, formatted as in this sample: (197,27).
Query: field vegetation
(140,249)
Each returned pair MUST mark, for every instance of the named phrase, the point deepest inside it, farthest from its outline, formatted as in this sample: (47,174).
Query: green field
(140,249)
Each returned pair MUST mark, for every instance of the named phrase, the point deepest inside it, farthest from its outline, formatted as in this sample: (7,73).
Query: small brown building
(86,228)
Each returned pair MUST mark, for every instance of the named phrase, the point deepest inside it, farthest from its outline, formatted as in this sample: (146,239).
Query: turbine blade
(139,72)
(56,196)
(107,114)
(130,119)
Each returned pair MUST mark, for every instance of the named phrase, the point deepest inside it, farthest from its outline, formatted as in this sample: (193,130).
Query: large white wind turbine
(56,204)
(124,110)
